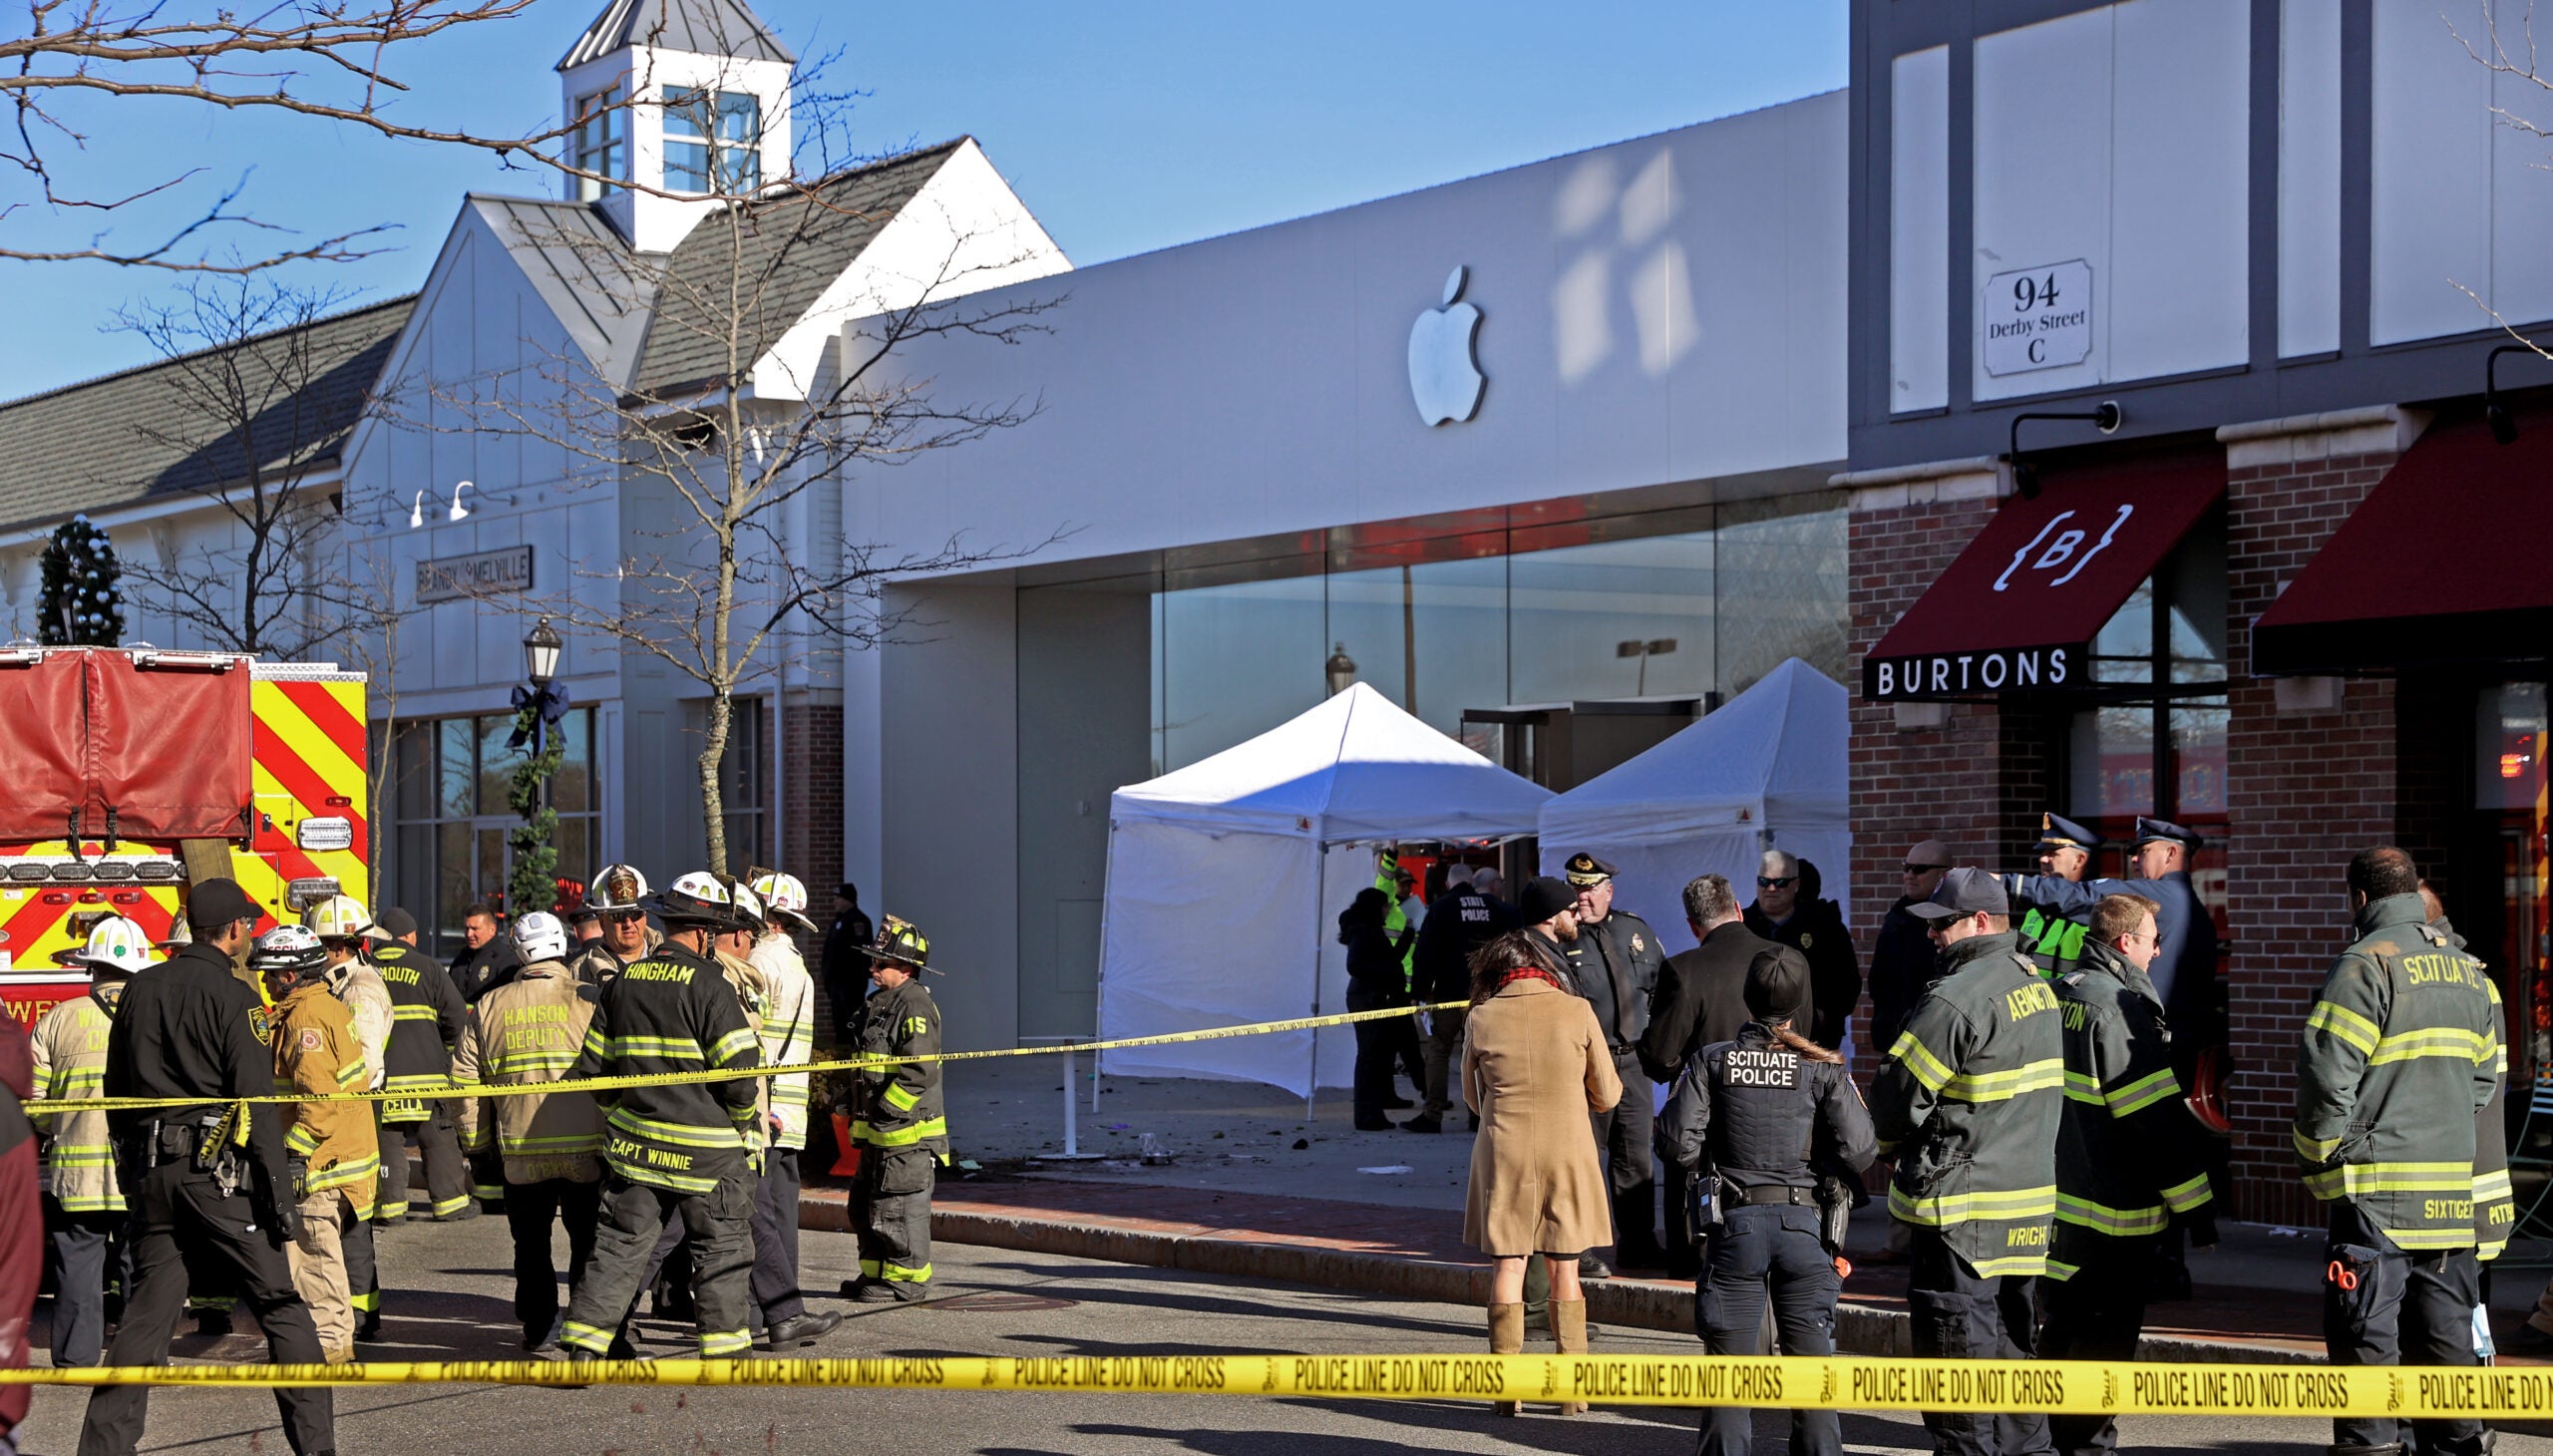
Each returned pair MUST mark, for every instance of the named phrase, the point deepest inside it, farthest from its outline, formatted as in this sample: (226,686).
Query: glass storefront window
(1235,657)
(1613,619)
(2508,761)
(450,777)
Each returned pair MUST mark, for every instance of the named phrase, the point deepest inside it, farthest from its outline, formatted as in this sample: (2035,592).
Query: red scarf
(1529,972)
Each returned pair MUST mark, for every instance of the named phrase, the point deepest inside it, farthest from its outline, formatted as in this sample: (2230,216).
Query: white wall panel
(2521,199)
(1919,251)
(2180,176)
(2308,178)
(2432,159)
(2042,181)
(2118,137)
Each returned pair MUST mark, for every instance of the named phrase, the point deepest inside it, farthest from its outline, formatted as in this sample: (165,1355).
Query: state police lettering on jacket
(1968,1101)
(2127,1157)
(1760,1115)
(2401,1052)
(674,1012)
(1460,921)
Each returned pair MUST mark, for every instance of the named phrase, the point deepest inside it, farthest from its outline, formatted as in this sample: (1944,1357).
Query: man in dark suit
(1903,962)
(1702,999)
(1788,912)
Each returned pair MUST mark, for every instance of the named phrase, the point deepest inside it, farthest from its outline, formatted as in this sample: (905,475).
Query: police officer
(332,1158)
(900,1123)
(548,1145)
(2128,1164)
(1773,1114)
(2053,940)
(688,1150)
(2184,973)
(425,1025)
(206,1176)
(1967,1100)
(2401,1052)
(84,1206)
(1615,961)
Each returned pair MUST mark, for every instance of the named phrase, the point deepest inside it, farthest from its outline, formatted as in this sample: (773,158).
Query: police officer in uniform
(900,1123)
(2401,1052)
(691,1150)
(206,1176)
(2052,940)
(2128,1164)
(1615,961)
(1773,1114)
(1967,1100)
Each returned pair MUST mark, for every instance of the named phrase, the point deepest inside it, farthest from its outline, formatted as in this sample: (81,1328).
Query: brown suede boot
(1569,1329)
(1506,1337)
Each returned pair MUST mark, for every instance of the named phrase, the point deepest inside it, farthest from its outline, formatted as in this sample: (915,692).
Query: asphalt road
(449,1289)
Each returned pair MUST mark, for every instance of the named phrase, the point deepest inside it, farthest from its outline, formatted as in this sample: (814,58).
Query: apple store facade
(1585,476)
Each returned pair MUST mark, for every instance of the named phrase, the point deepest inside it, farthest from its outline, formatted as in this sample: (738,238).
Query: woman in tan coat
(1534,1065)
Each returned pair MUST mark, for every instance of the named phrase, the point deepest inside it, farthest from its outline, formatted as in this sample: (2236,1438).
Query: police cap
(2150,830)
(2056,832)
(1585,872)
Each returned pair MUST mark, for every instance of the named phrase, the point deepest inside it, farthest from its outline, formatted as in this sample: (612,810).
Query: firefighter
(1967,1101)
(1775,1116)
(549,1145)
(899,1123)
(668,1278)
(688,1150)
(425,1025)
(334,1161)
(2401,1054)
(788,1039)
(84,1206)
(627,938)
(2053,940)
(204,1178)
(2129,1163)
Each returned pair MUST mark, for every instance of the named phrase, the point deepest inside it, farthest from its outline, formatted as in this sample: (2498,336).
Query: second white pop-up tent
(1226,879)
(1765,771)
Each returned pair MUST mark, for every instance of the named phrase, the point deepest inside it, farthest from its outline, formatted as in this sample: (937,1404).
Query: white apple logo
(1444,377)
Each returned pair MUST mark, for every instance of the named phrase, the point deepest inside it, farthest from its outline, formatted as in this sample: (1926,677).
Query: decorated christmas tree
(81,605)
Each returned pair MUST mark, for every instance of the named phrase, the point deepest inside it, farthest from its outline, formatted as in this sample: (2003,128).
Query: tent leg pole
(1071,1148)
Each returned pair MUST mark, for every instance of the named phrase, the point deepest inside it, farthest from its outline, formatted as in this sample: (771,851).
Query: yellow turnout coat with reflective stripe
(899,1105)
(2127,1157)
(674,1012)
(2401,1052)
(70,1047)
(316,1050)
(531,1029)
(1968,1101)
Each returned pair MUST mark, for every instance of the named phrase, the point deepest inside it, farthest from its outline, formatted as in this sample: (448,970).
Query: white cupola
(682,97)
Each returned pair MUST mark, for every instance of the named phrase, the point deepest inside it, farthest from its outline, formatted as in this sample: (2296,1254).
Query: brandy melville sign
(2018,610)
(481,573)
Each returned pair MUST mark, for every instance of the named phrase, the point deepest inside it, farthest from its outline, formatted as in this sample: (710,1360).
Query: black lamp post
(541,654)
(546,698)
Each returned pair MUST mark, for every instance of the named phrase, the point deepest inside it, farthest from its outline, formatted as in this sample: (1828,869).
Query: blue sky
(1126,124)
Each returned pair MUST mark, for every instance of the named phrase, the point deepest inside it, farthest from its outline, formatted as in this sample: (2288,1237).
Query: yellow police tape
(2077,1387)
(668,1079)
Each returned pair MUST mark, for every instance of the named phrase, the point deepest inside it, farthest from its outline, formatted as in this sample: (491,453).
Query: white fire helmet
(703,898)
(291,950)
(540,936)
(786,895)
(341,917)
(618,888)
(115,944)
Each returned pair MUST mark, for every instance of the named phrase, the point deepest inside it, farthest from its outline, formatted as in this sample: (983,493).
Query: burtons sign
(1960,674)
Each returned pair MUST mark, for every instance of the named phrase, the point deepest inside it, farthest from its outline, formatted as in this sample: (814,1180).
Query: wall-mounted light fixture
(2104,417)
(2503,424)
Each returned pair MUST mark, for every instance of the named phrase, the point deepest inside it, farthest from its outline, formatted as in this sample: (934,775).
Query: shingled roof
(794,246)
(81,448)
(701,27)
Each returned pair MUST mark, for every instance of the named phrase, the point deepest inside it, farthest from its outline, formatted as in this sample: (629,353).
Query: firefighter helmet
(703,898)
(291,951)
(115,944)
(181,934)
(341,917)
(750,912)
(901,942)
(540,936)
(618,888)
(786,895)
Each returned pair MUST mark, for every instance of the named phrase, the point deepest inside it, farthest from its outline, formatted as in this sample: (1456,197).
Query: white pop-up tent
(1226,879)
(1767,771)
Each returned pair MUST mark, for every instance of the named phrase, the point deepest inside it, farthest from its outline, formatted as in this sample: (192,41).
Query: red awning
(2443,562)
(2018,610)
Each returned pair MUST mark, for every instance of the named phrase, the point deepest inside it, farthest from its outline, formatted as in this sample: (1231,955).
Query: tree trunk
(713,799)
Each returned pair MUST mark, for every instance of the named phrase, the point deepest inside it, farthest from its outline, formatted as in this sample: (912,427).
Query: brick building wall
(2306,785)
(811,825)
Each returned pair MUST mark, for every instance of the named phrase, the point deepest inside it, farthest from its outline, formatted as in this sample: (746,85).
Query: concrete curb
(1860,1329)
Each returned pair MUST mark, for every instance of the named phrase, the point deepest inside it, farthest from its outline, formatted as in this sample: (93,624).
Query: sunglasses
(1766,882)
(622,918)
(1922,869)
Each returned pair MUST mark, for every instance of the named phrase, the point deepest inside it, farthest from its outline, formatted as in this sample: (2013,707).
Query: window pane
(687,167)
(739,118)
(1573,611)
(573,840)
(497,763)
(415,886)
(1445,617)
(570,787)
(2198,761)
(455,884)
(412,769)
(1780,584)
(686,115)
(2508,764)
(2113,762)
(1236,658)
(458,794)
(492,869)
(2124,649)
